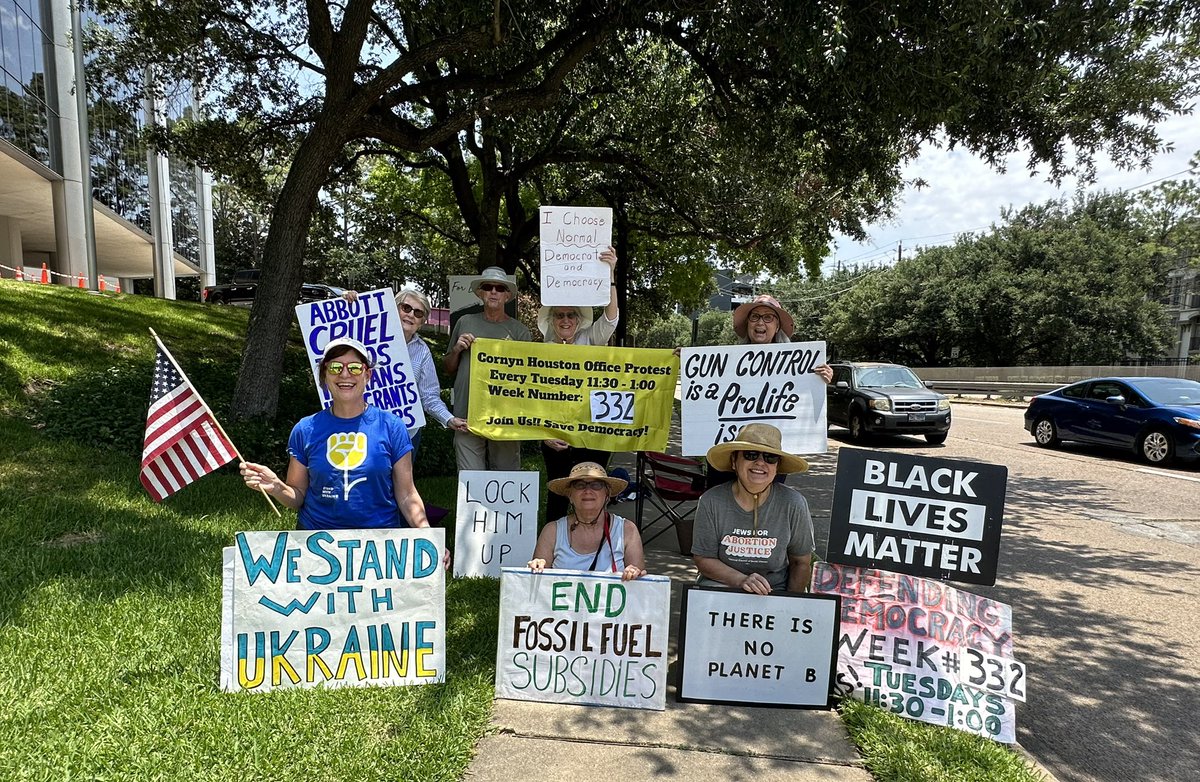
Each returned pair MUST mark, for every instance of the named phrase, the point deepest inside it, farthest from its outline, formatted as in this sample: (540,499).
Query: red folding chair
(672,484)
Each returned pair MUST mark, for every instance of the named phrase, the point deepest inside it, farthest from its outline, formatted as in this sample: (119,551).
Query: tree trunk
(257,392)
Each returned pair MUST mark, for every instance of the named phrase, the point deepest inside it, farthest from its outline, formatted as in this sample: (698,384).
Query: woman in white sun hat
(574,326)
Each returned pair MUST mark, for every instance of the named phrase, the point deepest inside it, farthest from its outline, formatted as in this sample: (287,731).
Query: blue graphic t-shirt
(349,463)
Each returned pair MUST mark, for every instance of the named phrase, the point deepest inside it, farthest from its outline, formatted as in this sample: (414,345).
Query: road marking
(1168,475)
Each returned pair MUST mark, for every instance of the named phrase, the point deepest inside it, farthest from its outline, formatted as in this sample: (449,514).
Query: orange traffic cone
(45,275)
(20,276)
(81,285)
(117,287)
(102,288)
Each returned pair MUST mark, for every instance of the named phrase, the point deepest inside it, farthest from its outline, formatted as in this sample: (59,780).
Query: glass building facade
(25,111)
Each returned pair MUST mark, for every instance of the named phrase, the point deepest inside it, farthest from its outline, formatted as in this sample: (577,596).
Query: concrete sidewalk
(687,741)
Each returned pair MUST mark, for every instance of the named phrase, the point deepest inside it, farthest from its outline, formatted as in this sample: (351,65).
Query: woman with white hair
(570,325)
(414,311)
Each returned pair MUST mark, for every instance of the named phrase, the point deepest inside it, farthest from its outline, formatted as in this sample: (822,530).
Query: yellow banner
(591,396)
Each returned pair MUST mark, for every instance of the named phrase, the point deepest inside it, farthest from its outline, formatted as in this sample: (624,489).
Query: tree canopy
(758,125)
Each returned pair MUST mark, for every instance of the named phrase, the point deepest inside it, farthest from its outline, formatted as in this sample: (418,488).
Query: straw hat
(742,313)
(543,319)
(587,471)
(493,274)
(755,437)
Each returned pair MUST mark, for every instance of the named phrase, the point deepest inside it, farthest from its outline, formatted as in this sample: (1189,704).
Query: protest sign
(591,396)
(374,321)
(497,521)
(567,636)
(724,388)
(936,518)
(572,238)
(765,650)
(333,608)
(925,650)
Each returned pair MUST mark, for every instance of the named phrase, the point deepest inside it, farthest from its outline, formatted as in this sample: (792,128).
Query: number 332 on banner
(612,407)
(995,674)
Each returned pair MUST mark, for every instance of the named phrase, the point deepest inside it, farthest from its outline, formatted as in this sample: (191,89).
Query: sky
(963,194)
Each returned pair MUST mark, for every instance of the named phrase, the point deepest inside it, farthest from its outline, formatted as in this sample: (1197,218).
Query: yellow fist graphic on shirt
(346,450)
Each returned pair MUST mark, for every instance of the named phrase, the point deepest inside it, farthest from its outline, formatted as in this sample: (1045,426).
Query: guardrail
(990,388)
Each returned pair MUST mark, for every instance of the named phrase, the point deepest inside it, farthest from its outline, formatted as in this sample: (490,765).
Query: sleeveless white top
(569,559)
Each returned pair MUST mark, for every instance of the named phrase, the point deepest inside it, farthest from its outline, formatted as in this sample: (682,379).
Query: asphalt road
(1100,561)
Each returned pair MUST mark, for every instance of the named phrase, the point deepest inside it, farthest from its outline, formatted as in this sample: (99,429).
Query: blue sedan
(1156,417)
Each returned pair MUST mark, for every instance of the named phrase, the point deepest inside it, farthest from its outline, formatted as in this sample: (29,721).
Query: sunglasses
(569,315)
(593,485)
(355,368)
(492,287)
(408,309)
(754,456)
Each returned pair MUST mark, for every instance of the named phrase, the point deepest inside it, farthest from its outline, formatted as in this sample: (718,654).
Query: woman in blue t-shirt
(350,465)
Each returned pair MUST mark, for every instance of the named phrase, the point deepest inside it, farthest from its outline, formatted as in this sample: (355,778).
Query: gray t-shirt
(724,531)
(476,324)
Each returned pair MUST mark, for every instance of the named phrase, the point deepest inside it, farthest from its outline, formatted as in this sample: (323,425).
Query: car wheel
(1156,447)
(858,432)
(936,438)
(1045,433)
(218,300)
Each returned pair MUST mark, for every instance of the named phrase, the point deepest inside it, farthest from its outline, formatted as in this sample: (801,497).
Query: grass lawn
(110,604)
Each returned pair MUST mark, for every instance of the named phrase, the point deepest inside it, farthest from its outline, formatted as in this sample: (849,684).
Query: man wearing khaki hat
(495,290)
(754,534)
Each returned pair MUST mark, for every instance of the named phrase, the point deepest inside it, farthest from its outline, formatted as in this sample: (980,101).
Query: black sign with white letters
(934,518)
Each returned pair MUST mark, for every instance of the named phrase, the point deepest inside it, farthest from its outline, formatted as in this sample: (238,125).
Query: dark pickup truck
(872,398)
(245,281)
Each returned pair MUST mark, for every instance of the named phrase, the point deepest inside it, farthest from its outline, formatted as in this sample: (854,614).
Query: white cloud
(964,194)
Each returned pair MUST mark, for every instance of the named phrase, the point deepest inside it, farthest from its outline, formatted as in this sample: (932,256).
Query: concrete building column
(204,228)
(74,245)
(160,207)
(11,254)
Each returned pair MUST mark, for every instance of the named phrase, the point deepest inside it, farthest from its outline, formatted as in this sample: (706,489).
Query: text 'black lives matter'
(934,518)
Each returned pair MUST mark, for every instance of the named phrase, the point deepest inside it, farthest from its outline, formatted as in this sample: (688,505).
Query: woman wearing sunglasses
(414,311)
(350,465)
(566,325)
(754,534)
(589,537)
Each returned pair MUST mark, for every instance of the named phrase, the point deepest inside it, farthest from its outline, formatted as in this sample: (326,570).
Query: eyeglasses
(408,309)
(355,368)
(754,456)
(762,317)
(492,287)
(593,485)
(569,315)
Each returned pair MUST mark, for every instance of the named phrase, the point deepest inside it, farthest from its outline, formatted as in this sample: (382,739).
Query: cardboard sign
(925,650)
(333,608)
(591,396)
(763,650)
(572,238)
(936,518)
(724,388)
(497,521)
(374,321)
(567,636)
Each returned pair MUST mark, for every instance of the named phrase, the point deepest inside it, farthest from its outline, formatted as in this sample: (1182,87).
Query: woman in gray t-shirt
(753,534)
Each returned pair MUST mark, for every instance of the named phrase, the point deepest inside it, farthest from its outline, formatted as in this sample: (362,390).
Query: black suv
(870,398)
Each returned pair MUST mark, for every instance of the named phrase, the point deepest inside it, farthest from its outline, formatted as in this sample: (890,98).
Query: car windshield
(887,377)
(1170,391)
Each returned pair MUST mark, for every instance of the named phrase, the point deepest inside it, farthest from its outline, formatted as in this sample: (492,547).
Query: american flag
(183,440)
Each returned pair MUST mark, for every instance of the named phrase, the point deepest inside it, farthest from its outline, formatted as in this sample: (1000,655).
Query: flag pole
(211,415)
